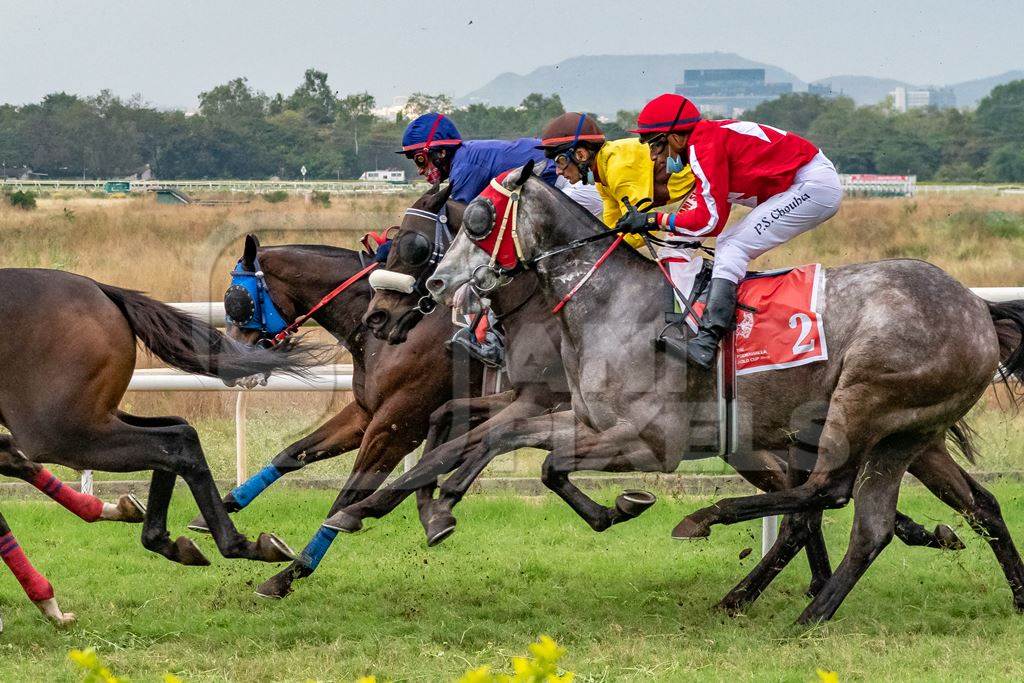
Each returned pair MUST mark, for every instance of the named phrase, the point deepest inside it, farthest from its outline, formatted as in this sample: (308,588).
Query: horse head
(400,300)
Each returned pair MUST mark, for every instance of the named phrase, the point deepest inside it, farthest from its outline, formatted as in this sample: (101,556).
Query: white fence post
(241,464)
(86,485)
(769,533)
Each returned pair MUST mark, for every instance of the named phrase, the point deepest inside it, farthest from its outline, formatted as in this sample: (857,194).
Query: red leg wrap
(35,584)
(85,506)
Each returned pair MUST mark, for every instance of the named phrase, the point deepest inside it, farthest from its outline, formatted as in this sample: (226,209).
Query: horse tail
(961,435)
(1008,318)
(192,345)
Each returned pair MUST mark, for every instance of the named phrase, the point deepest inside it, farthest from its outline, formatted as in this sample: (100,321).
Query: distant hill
(863,89)
(869,90)
(605,84)
(969,93)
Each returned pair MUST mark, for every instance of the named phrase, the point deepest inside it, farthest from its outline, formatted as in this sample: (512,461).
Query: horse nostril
(435,285)
(375,318)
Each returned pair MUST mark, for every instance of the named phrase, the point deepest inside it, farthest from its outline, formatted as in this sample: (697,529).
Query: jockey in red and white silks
(789,182)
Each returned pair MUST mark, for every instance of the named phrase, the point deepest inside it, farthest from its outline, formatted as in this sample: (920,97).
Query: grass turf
(629,604)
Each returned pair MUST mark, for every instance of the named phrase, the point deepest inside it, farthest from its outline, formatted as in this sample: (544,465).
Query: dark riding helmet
(568,132)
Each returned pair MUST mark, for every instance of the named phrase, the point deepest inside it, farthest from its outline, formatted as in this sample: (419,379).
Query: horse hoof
(688,529)
(731,605)
(440,527)
(270,548)
(948,540)
(199,525)
(274,588)
(51,610)
(344,522)
(186,552)
(634,503)
(130,509)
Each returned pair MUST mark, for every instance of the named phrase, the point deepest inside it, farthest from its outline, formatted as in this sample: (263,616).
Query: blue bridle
(247,302)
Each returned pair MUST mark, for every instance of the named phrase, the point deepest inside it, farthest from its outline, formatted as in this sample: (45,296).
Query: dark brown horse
(396,388)
(66,357)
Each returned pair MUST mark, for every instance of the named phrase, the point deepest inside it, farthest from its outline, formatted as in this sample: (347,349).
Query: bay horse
(911,351)
(66,357)
(536,372)
(395,388)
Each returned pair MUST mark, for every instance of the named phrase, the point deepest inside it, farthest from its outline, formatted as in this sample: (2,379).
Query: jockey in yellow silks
(618,168)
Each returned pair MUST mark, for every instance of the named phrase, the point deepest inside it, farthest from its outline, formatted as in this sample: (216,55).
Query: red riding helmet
(668,113)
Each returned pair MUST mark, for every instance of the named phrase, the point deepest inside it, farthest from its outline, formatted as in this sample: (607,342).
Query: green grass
(629,604)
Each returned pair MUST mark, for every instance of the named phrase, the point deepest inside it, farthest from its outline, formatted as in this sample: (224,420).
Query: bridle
(249,306)
(505,261)
(442,239)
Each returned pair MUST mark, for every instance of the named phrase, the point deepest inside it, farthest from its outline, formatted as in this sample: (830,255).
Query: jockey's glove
(637,219)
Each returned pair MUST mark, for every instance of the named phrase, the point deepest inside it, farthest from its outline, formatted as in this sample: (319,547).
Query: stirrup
(492,355)
(672,347)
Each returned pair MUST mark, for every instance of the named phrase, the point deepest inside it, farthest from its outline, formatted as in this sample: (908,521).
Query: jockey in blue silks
(434,144)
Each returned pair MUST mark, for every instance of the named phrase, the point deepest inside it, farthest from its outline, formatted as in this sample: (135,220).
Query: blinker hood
(247,302)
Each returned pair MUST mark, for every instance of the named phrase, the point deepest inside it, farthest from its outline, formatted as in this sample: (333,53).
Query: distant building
(387,176)
(823,90)
(905,99)
(729,92)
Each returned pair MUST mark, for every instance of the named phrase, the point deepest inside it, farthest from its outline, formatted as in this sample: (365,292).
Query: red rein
(593,269)
(290,330)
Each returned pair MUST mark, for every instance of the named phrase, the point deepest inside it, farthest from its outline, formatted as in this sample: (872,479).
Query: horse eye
(478,218)
(413,249)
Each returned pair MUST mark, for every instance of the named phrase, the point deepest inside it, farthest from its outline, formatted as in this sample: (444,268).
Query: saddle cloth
(779,319)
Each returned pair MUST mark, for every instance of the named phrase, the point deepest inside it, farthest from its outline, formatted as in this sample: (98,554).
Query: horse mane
(581,213)
(319,249)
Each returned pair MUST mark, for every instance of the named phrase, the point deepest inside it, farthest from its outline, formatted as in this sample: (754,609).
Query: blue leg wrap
(317,548)
(256,485)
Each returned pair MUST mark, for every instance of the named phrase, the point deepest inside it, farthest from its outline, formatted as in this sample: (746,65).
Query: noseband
(406,284)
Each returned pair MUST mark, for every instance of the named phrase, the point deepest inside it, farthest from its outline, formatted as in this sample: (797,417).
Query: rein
(330,296)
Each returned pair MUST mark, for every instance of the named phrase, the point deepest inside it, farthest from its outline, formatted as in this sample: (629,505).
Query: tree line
(240,132)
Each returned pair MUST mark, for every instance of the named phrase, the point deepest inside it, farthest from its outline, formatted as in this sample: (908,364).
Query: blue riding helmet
(247,302)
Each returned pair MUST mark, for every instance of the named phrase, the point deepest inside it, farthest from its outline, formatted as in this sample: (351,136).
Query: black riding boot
(719,317)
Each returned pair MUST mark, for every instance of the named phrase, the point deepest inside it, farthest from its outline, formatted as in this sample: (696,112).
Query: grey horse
(911,350)
(537,377)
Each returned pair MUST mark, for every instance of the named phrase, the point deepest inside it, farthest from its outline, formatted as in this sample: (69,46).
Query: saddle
(779,319)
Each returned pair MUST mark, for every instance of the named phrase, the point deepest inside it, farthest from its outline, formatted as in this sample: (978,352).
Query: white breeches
(812,199)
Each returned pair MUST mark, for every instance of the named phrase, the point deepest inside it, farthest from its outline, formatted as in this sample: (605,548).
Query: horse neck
(299,278)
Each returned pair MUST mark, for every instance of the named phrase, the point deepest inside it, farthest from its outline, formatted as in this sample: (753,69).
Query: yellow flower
(481,674)
(546,650)
(171,678)
(367,679)
(827,676)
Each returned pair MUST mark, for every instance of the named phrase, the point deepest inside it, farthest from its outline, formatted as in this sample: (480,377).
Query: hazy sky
(170,51)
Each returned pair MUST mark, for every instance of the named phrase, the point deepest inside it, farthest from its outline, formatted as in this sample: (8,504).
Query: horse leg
(875,494)
(955,487)
(798,531)
(341,434)
(441,522)
(118,446)
(87,507)
(843,442)
(444,427)
(35,585)
(381,451)
(618,449)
